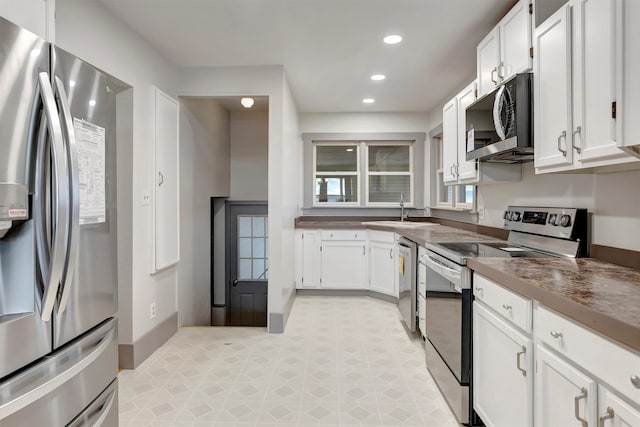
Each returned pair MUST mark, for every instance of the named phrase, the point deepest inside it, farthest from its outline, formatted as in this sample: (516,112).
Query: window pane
(387,188)
(258,248)
(244,226)
(336,158)
(389,158)
(465,194)
(244,269)
(244,247)
(258,226)
(258,269)
(337,189)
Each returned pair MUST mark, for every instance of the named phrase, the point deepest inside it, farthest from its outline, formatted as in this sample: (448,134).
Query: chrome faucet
(401,207)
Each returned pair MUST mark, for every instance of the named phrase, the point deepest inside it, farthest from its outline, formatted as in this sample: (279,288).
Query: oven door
(448,314)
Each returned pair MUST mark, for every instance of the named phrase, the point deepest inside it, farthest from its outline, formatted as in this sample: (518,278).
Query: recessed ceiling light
(247,102)
(392,39)
(378,77)
(92,102)
(349,149)
(368,100)
(72,83)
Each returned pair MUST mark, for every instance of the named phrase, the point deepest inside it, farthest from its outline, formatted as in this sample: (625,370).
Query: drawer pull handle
(610,414)
(479,289)
(556,334)
(506,307)
(576,406)
(518,354)
(635,380)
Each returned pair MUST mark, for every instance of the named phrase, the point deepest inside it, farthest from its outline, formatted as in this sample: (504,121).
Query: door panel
(467,170)
(515,40)
(343,264)
(92,292)
(382,267)
(450,141)
(248,255)
(488,53)
(615,412)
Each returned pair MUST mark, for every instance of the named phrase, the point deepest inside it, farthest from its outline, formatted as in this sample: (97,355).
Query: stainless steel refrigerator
(58,258)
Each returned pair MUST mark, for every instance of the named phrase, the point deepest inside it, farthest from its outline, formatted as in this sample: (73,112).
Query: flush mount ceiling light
(368,100)
(247,102)
(378,77)
(392,39)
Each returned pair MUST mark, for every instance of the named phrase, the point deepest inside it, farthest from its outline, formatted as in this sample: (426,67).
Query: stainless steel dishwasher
(407,251)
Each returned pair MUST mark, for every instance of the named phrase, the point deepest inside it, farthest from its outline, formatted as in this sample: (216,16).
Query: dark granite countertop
(601,296)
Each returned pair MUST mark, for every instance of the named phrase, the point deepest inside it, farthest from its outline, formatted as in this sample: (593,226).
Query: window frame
(357,174)
(368,173)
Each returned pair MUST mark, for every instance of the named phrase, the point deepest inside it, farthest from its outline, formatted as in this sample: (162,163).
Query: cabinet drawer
(602,358)
(381,236)
(508,304)
(344,234)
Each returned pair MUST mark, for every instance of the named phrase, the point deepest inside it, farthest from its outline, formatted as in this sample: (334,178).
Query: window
(253,247)
(336,173)
(363,170)
(389,173)
(450,196)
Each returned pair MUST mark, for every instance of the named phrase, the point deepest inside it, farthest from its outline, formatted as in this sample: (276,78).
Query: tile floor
(342,361)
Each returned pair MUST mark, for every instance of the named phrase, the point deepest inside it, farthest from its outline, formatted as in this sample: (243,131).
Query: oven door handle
(451,274)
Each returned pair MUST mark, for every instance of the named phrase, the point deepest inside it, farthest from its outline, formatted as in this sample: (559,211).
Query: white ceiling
(328,48)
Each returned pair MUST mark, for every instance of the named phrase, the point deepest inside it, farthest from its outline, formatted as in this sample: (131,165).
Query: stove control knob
(515,216)
(565,220)
(553,219)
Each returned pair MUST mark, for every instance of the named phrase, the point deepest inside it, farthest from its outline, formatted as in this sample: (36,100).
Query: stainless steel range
(534,232)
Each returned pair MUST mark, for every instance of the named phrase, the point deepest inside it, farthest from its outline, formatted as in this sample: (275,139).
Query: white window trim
(369,173)
(316,174)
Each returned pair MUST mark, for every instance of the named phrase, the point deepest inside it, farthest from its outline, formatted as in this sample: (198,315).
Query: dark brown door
(247,244)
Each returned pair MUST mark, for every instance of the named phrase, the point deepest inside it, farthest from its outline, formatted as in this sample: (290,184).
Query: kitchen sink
(401,224)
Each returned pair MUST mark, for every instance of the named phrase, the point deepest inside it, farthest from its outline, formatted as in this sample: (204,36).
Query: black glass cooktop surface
(459,251)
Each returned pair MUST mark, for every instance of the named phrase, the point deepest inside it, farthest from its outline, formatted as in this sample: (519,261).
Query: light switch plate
(480,212)
(146,198)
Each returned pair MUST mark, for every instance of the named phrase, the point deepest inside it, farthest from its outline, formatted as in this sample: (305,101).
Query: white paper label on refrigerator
(90,140)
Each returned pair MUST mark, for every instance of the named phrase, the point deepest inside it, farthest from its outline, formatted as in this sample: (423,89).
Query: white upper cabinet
(33,15)
(505,51)
(575,88)
(450,141)
(628,70)
(466,171)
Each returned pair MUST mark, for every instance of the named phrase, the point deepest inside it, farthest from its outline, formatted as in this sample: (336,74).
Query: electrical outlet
(146,198)
(152,311)
(480,212)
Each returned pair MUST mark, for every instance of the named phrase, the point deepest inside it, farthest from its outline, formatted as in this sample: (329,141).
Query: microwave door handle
(61,195)
(74,188)
(497,107)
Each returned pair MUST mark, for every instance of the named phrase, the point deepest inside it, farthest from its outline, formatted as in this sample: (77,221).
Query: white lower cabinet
(564,397)
(382,263)
(615,412)
(342,264)
(502,378)
(307,260)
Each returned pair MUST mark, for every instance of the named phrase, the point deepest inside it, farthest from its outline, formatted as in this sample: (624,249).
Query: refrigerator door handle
(40,390)
(53,266)
(104,410)
(74,189)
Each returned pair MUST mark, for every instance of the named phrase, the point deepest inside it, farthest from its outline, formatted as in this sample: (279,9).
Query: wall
(90,31)
(249,155)
(262,81)
(205,173)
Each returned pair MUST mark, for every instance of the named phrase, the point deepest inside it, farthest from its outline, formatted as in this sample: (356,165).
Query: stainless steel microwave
(500,124)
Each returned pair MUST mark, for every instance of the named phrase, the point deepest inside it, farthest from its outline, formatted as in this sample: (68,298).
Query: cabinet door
(515,40)
(488,56)
(552,91)
(614,412)
(594,128)
(564,396)
(467,171)
(342,265)
(450,141)
(307,259)
(502,375)
(29,14)
(628,70)
(382,268)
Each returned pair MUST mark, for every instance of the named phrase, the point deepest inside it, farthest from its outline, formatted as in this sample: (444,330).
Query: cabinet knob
(479,289)
(506,307)
(556,334)
(635,380)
